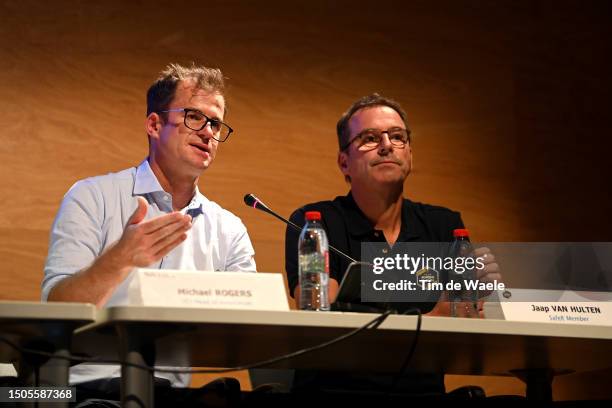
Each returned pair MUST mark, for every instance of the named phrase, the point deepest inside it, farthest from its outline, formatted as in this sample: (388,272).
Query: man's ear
(343,166)
(343,163)
(153,125)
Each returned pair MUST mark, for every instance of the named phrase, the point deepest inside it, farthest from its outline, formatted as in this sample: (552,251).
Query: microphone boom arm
(255,202)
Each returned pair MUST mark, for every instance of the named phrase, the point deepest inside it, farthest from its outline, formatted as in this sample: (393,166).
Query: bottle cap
(460,232)
(313,215)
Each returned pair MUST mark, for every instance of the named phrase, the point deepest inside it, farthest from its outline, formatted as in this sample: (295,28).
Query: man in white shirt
(152,215)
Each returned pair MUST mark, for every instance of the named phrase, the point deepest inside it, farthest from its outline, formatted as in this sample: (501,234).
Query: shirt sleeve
(76,235)
(441,222)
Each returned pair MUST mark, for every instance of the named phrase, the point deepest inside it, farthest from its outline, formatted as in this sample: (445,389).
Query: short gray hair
(370,101)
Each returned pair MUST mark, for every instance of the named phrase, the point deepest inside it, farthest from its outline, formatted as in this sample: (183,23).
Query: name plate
(592,308)
(217,290)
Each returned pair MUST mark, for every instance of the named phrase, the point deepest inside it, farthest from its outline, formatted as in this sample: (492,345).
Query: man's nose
(385,143)
(206,132)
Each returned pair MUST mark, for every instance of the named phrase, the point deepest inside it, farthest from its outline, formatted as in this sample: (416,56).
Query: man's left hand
(490,271)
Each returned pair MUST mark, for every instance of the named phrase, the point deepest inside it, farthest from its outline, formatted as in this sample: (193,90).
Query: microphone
(252,201)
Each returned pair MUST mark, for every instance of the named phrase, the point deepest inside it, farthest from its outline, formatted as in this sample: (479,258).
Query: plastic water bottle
(463,301)
(313,262)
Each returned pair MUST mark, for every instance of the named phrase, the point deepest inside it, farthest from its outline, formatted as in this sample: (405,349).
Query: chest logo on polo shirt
(426,277)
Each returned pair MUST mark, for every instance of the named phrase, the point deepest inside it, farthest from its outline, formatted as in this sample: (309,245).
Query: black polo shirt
(347,227)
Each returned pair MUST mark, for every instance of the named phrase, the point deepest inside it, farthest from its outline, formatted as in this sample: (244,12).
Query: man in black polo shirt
(375,158)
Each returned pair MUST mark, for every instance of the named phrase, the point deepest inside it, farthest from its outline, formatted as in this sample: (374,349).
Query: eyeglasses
(370,139)
(196,120)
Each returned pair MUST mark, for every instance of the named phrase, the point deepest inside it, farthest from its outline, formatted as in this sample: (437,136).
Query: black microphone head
(252,201)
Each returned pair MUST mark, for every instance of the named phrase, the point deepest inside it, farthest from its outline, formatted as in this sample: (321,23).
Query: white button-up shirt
(93,215)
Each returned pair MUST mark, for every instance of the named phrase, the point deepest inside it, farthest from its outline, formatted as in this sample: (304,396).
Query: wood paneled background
(508,100)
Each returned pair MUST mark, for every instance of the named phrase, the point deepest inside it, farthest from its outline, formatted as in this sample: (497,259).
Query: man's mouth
(386,162)
(202,148)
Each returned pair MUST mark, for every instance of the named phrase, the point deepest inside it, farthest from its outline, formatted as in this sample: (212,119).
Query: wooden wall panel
(508,102)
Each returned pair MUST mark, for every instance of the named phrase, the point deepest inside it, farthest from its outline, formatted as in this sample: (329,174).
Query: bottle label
(314,282)
(312,263)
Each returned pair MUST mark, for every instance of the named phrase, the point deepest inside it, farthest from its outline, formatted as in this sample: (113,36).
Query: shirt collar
(359,226)
(197,205)
(357,223)
(146,182)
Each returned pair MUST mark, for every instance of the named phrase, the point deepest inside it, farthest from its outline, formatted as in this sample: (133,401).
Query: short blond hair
(161,93)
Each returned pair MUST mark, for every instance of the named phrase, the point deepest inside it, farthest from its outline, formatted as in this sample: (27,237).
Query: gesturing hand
(146,242)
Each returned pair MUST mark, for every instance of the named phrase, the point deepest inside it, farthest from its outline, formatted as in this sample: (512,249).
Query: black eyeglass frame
(206,122)
(360,134)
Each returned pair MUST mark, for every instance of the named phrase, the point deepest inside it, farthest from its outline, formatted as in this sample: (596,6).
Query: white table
(534,352)
(44,327)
